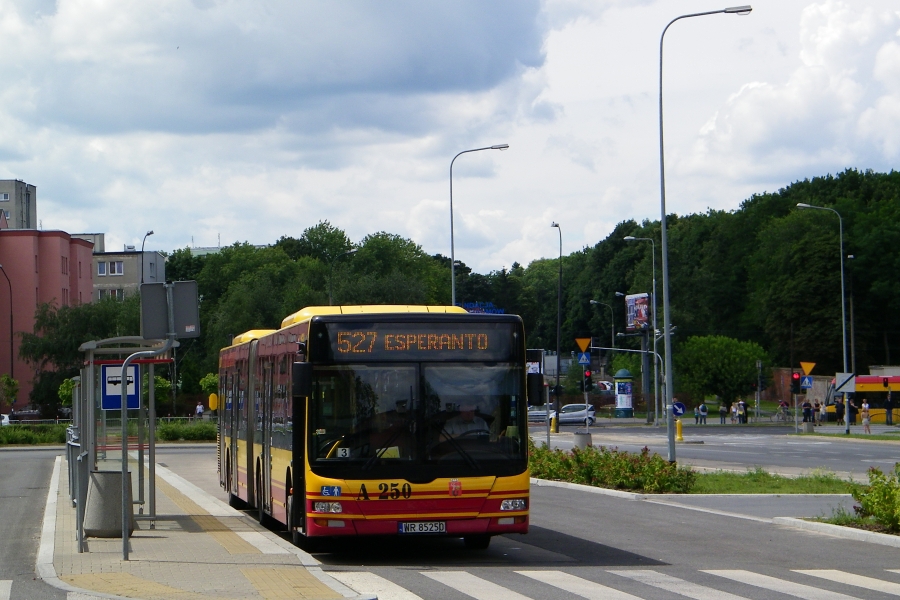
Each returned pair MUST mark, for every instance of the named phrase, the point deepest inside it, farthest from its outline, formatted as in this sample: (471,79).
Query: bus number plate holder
(422,527)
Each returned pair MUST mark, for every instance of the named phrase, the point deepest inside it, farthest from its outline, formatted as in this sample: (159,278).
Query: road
(580,544)
(24,479)
(605,547)
(773,448)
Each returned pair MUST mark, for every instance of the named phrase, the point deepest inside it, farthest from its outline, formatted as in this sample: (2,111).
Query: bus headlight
(327,507)
(517,504)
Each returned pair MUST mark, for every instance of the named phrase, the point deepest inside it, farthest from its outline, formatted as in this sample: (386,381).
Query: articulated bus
(378,420)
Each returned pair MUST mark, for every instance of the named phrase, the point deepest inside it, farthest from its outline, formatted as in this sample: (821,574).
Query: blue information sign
(584,358)
(111,385)
(678,409)
(806,383)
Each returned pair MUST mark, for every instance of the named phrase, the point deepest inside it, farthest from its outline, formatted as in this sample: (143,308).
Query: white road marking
(473,586)
(869,583)
(370,583)
(678,586)
(774,584)
(577,585)
(5,589)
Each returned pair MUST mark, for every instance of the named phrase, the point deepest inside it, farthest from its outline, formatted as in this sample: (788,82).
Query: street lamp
(331,273)
(11,357)
(802,205)
(558,320)
(667,340)
(631,238)
(452,254)
(612,323)
(142,253)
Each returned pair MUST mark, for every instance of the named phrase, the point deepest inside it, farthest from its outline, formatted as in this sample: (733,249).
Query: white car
(4,419)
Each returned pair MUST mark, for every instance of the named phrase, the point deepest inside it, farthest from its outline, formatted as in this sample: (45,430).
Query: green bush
(880,500)
(610,468)
(33,434)
(195,432)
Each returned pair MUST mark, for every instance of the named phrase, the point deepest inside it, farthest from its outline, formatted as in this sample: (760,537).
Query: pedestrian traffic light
(795,382)
(588,383)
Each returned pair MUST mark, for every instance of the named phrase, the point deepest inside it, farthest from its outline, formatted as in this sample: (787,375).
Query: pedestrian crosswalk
(624,584)
(5,588)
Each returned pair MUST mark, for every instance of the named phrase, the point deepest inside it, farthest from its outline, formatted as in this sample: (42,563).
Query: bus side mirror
(301,379)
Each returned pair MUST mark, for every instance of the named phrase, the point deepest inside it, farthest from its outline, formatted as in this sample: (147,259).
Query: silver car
(576,413)
(4,420)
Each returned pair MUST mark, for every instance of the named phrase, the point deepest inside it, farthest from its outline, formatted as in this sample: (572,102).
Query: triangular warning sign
(583,343)
(807,367)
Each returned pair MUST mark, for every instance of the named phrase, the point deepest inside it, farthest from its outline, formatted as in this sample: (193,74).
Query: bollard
(678,436)
(582,439)
(554,425)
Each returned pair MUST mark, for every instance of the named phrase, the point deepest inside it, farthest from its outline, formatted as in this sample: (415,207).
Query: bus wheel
(477,542)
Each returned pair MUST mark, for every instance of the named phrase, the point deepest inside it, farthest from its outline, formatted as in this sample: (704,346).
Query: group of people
(738,412)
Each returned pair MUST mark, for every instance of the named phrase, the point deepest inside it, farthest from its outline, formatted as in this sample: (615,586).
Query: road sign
(584,358)
(678,409)
(806,383)
(583,343)
(845,383)
(111,385)
(807,367)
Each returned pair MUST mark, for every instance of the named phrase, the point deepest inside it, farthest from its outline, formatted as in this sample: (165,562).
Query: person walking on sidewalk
(704,411)
(198,412)
(723,411)
(696,415)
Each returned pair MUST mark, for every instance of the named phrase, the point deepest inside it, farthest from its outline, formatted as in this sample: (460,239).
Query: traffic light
(588,383)
(795,382)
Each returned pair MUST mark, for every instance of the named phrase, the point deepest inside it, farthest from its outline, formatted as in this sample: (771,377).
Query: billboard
(637,312)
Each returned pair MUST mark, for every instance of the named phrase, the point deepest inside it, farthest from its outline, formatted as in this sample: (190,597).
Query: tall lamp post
(558,321)
(11,357)
(802,205)
(612,323)
(631,238)
(331,273)
(142,253)
(452,250)
(667,339)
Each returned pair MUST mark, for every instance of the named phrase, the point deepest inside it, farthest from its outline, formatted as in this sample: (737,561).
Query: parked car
(4,420)
(538,414)
(575,413)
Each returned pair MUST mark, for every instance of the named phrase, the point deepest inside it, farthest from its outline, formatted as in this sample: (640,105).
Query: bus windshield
(396,419)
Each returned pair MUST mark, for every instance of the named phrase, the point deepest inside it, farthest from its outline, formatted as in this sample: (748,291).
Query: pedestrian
(864,415)
(807,410)
(696,415)
(889,409)
(723,410)
(816,412)
(198,412)
(742,413)
(704,411)
(823,413)
(733,413)
(839,411)
(852,412)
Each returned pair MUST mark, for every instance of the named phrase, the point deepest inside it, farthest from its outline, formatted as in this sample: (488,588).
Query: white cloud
(253,120)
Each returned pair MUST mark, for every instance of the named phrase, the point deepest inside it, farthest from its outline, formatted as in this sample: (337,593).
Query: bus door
(301,382)
(264,431)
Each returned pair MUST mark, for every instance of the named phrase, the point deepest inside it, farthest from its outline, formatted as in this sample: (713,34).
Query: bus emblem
(455,487)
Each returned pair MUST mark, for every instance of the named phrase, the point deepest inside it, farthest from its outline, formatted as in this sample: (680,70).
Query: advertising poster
(637,312)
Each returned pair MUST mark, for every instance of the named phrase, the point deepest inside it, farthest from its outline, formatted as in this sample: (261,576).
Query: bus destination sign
(419,341)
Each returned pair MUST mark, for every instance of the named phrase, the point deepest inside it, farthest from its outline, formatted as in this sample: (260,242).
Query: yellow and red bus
(379,420)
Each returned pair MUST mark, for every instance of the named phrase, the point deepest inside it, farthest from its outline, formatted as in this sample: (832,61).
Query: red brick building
(42,266)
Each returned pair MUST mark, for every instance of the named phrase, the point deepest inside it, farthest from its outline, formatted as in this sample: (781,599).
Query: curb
(849,533)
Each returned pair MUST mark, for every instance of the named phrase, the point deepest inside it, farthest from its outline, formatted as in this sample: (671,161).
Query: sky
(212,122)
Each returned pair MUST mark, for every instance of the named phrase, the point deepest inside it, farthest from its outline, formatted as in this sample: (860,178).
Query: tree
(66,391)
(718,365)
(162,387)
(209,384)
(9,389)
(322,242)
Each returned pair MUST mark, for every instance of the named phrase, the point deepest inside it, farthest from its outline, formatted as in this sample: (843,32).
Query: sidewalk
(200,549)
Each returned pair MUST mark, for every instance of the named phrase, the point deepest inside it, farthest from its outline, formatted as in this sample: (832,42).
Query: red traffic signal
(587,373)
(795,382)
(795,376)
(885,382)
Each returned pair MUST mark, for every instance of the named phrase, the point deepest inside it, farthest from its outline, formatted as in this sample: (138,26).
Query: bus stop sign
(111,385)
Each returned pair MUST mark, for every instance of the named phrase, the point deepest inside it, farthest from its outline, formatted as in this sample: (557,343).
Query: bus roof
(309,312)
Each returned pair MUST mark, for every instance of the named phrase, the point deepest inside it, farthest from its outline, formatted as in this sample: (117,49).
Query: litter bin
(103,505)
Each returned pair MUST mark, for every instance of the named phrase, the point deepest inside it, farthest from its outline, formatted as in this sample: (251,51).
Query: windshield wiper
(404,427)
(459,449)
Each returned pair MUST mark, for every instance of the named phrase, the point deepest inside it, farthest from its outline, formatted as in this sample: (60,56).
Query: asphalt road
(591,537)
(774,448)
(24,479)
